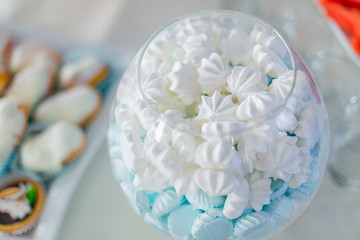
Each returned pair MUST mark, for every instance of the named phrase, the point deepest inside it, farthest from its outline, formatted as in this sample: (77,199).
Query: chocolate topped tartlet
(21,202)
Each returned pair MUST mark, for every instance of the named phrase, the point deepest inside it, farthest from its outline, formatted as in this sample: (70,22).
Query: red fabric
(346,13)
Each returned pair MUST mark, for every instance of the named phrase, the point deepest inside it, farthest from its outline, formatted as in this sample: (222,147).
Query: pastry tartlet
(21,202)
(88,70)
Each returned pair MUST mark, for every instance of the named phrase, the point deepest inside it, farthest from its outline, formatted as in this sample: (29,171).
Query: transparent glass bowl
(218,130)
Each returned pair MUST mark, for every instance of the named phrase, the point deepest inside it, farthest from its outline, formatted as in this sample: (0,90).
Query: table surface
(99,210)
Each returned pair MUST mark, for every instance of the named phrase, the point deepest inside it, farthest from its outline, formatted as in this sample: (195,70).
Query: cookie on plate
(48,151)
(4,78)
(13,124)
(6,46)
(21,202)
(32,84)
(30,52)
(88,70)
(79,105)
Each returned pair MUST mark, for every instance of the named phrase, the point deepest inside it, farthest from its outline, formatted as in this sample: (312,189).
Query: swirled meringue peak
(215,139)
(267,61)
(197,47)
(282,85)
(212,73)
(237,42)
(265,37)
(256,105)
(183,78)
(227,130)
(244,80)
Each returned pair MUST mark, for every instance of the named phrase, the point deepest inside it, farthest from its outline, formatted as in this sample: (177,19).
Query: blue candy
(137,198)
(181,220)
(204,201)
(278,188)
(5,166)
(166,201)
(212,225)
(255,225)
(120,171)
(307,189)
(280,209)
(160,223)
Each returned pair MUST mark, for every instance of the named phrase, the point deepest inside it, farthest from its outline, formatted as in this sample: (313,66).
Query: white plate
(61,188)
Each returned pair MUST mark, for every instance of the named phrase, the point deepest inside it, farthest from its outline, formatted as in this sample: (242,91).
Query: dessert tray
(60,189)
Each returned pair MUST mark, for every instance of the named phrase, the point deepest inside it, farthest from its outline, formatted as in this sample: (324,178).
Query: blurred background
(98,209)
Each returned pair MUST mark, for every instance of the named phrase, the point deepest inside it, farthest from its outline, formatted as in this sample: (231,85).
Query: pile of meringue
(217,120)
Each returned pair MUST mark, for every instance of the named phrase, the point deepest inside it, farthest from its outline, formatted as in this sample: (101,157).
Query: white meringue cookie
(153,86)
(282,85)
(161,48)
(184,141)
(219,155)
(216,108)
(285,121)
(260,191)
(256,105)
(300,178)
(125,117)
(229,131)
(198,47)
(186,183)
(282,160)
(237,201)
(133,152)
(172,103)
(266,60)
(166,123)
(151,180)
(212,73)
(236,48)
(146,113)
(183,78)
(258,139)
(164,159)
(310,125)
(294,105)
(192,27)
(265,37)
(215,182)
(244,80)
(162,67)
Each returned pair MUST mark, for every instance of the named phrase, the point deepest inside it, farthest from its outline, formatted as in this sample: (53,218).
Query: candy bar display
(218,130)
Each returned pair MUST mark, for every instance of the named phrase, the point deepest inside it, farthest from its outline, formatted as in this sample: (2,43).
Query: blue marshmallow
(137,198)
(181,220)
(255,225)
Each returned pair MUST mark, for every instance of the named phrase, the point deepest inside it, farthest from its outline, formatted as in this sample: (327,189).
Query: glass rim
(232,13)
